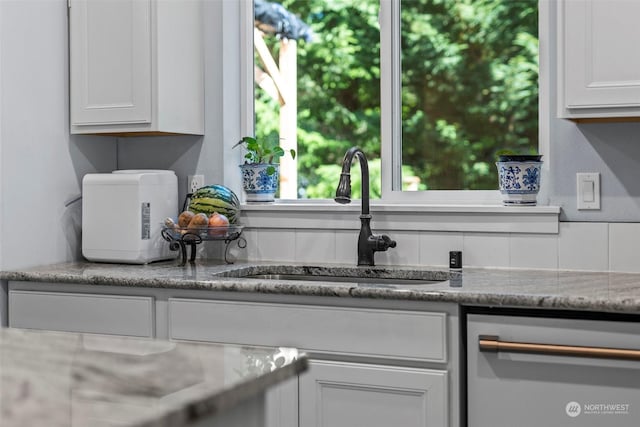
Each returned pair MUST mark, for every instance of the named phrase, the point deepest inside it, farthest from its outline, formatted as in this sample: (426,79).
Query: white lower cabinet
(362,370)
(338,394)
(372,363)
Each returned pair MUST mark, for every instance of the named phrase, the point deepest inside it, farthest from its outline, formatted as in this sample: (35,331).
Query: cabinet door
(601,64)
(334,394)
(110,61)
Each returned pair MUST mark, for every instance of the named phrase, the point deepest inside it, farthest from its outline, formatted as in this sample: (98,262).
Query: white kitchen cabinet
(338,394)
(82,312)
(362,371)
(136,67)
(373,362)
(598,64)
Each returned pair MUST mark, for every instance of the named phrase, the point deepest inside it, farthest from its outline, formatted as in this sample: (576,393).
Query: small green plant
(263,151)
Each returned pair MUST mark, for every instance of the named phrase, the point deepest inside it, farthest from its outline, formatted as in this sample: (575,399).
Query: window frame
(391,126)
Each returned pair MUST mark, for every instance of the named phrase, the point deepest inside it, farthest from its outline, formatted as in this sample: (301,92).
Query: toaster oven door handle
(492,343)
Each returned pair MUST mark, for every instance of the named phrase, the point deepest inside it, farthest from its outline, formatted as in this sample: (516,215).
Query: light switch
(588,190)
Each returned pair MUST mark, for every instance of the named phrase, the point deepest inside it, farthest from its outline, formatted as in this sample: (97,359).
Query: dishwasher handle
(492,343)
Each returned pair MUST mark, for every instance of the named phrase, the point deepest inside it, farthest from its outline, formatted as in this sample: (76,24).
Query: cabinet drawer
(74,312)
(411,335)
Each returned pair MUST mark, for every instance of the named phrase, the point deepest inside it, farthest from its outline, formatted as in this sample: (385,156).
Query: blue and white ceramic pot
(519,182)
(258,185)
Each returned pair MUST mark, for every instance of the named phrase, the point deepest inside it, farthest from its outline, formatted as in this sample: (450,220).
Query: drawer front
(74,312)
(411,335)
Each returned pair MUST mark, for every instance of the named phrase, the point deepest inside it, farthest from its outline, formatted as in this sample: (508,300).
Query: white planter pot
(258,185)
(519,182)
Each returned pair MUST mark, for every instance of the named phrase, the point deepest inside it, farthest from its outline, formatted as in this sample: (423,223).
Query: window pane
(337,85)
(469,89)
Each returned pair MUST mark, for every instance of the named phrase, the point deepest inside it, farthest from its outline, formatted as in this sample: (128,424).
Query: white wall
(41,165)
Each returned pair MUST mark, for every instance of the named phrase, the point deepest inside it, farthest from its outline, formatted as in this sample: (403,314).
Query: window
(432,91)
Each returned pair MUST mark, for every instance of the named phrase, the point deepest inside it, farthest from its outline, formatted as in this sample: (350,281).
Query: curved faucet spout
(343,192)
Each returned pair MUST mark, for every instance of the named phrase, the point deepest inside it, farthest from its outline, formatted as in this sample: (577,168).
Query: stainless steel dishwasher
(526,370)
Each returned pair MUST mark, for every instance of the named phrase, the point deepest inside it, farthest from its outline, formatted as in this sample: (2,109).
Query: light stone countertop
(59,379)
(552,289)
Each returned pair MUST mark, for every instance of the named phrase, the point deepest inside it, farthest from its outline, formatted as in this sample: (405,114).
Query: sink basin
(343,279)
(356,275)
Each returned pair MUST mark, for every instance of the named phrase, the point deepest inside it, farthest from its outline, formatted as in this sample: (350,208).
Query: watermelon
(216,198)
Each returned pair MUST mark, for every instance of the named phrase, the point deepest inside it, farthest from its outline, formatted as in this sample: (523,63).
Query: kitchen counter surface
(591,291)
(61,379)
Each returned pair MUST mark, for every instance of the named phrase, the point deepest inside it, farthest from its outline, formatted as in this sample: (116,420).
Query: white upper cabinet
(136,67)
(598,60)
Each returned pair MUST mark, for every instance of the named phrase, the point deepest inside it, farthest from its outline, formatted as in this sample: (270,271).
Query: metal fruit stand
(181,237)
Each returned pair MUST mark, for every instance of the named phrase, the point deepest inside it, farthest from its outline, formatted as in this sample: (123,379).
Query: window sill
(326,214)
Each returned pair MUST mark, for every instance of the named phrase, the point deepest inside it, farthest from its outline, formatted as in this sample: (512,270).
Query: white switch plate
(588,190)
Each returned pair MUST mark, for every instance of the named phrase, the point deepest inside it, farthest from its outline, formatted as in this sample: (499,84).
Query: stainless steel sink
(378,276)
(343,279)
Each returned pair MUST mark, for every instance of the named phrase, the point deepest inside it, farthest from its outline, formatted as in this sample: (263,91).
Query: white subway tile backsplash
(624,247)
(347,246)
(533,251)
(435,247)
(250,251)
(406,251)
(315,246)
(583,246)
(276,245)
(485,250)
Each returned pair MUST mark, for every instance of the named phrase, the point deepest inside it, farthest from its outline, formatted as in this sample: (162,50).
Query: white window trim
(463,210)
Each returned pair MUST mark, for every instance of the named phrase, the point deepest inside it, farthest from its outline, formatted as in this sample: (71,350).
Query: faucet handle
(381,242)
(388,242)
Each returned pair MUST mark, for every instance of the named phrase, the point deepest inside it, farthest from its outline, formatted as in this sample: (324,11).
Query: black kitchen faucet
(368,243)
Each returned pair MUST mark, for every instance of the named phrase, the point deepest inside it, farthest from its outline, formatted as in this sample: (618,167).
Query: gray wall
(613,150)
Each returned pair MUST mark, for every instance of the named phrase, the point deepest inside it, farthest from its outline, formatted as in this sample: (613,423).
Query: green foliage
(469,90)
(264,150)
(469,87)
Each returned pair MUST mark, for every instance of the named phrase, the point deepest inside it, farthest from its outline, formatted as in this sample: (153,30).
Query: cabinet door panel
(91,313)
(336,394)
(281,404)
(601,38)
(110,64)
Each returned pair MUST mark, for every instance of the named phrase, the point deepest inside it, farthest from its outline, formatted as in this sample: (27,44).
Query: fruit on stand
(169,224)
(198,223)
(216,198)
(185,218)
(218,225)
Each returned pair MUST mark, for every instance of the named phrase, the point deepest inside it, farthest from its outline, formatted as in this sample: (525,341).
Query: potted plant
(260,171)
(519,178)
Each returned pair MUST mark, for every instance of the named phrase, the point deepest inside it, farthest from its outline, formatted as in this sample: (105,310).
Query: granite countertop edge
(594,291)
(217,402)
